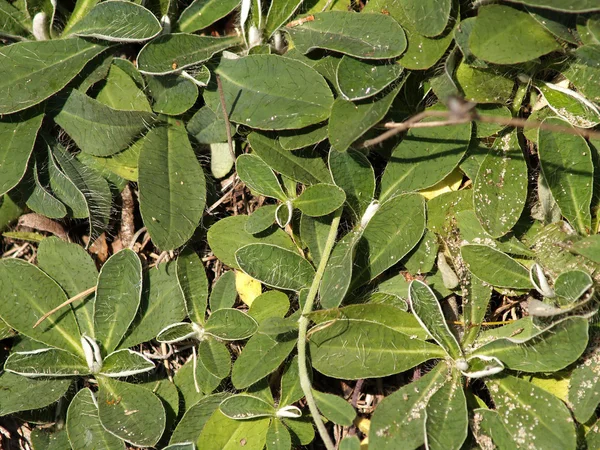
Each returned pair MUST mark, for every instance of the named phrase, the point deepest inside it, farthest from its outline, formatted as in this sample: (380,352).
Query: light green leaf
(215,357)
(260,219)
(221,160)
(349,120)
(46,362)
(399,420)
(172,94)
(583,71)
(162,304)
(278,436)
(524,408)
(14,21)
(482,129)
(228,235)
(584,394)
(422,258)
(423,158)
(344,32)
(271,102)
(122,92)
(49,64)
(172,186)
(303,166)
(505,35)
(567,166)
(28,294)
(428,312)
(130,412)
(279,13)
(571,285)
(269,304)
(243,407)
(223,433)
(352,349)
(259,177)
(555,347)
(202,13)
(223,293)
(588,247)
(125,363)
(500,189)
(117,298)
(173,52)
(40,393)
(447,418)
(262,355)
(275,266)
(193,421)
(495,267)
(475,304)
(118,21)
(359,79)
(320,199)
(487,425)
(193,283)
(482,85)
(97,129)
(352,171)
(304,137)
(429,17)
(334,408)
(570,105)
(17,134)
(231,324)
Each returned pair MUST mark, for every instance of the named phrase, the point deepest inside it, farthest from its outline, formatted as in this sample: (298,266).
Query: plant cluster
(363,223)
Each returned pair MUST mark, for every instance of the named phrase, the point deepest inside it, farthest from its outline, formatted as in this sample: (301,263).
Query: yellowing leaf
(247,287)
(450,183)
(363,425)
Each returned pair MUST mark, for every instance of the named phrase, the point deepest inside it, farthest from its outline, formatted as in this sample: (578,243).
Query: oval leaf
(231,324)
(495,267)
(320,199)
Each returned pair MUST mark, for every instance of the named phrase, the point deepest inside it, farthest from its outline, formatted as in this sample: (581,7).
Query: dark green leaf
(202,13)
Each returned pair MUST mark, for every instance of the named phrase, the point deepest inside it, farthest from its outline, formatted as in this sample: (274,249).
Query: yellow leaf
(364,445)
(450,183)
(363,425)
(247,287)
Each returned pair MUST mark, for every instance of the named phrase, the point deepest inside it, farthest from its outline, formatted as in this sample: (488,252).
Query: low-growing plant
(343,223)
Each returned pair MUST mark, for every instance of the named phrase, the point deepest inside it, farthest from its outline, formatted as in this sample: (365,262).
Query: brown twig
(226,117)
(68,302)
(127,217)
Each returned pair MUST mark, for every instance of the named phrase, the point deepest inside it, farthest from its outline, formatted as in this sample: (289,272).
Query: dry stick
(226,116)
(68,302)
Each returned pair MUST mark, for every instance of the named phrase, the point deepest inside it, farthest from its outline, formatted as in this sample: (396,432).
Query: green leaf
(244,407)
(483,85)
(303,166)
(430,17)
(171,201)
(130,412)
(40,393)
(40,199)
(269,304)
(275,266)
(505,35)
(223,433)
(279,13)
(231,324)
(359,79)
(73,268)
(162,304)
(97,129)
(583,71)
(228,235)
(207,127)
(125,363)
(14,20)
(352,171)
(487,425)
(500,189)
(320,199)
(122,92)
(84,428)
(29,293)
(349,120)
(340,30)
(398,422)
(172,94)
(215,357)
(334,408)
(524,408)
(338,350)
(261,219)
(588,247)
(46,362)
(259,177)
(112,21)
(571,285)
(423,158)
(475,304)
(447,418)
(177,332)
(567,166)
(224,292)
(555,348)
(17,134)
(570,105)
(422,258)
(94,189)
(193,283)
(262,355)
(49,64)
(278,436)
(401,220)
(202,13)
(193,421)
(584,394)
(221,160)
(120,278)
(271,102)
(570,6)
(173,52)
(495,267)
(428,312)
(304,137)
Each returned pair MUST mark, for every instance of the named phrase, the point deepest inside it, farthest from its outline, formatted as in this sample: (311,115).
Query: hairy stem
(303,327)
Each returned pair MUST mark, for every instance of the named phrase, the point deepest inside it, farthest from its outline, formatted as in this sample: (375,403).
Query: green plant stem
(303,327)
